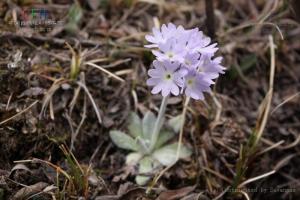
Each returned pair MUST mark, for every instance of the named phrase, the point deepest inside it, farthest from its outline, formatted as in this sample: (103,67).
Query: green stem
(187,100)
(158,123)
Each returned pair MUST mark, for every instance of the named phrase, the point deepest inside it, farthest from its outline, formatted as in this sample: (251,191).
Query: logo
(35,14)
(39,19)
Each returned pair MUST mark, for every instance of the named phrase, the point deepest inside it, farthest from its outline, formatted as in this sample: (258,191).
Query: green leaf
(246,63)
(129,3)
(104,3)
(75,13)
(123,140)
(71,28)
(135,125)
(141,180)
(146,165)
(175,123)
(167,154)
(164,137)
(148,125)
(74,16)
(133,158)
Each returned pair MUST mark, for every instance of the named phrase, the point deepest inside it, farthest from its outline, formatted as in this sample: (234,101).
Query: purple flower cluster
(184,61)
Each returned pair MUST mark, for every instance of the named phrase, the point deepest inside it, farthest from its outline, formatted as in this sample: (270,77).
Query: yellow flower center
(168,76)
(170,54)
(190,82)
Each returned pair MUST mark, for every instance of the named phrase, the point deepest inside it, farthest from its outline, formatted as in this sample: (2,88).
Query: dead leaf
(124,188)
(134,193)
(94,4)
(175,194)
(195,196)
(49,188)
(19,167)
(31,92)
(108,197)
(26,192)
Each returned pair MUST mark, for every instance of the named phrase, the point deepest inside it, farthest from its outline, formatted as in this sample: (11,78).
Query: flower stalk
(158,123)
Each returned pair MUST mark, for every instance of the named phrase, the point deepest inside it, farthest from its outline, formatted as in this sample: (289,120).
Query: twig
(37,160)
(221,194)
(105,71)
(285,101)
(8,101)
(265,113)
(269,13)
(80,123)
(92,101)
(293,144)
(218,112)
(74,99)
(249,24)
(95,153)
(256,178)
(46,100)
(245,194)
(221,143)
(51,109)
(20,113)
(114,64)
(217,174)
(55,41)
(210,18)
(271,147)
(135,99)
(71,126)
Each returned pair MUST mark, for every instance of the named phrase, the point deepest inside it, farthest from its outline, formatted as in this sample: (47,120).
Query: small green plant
(148,153)
(71,179)
(248,152)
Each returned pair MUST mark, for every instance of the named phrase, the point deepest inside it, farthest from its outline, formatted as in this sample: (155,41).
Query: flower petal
(174,89)
(153,81)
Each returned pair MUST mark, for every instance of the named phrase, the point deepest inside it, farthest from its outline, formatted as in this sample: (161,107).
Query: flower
(191,40)
(166,77)
(195,84)
(161,36)
(191,60)
(196,41)
(184,61)
(169,51)
(211,67)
